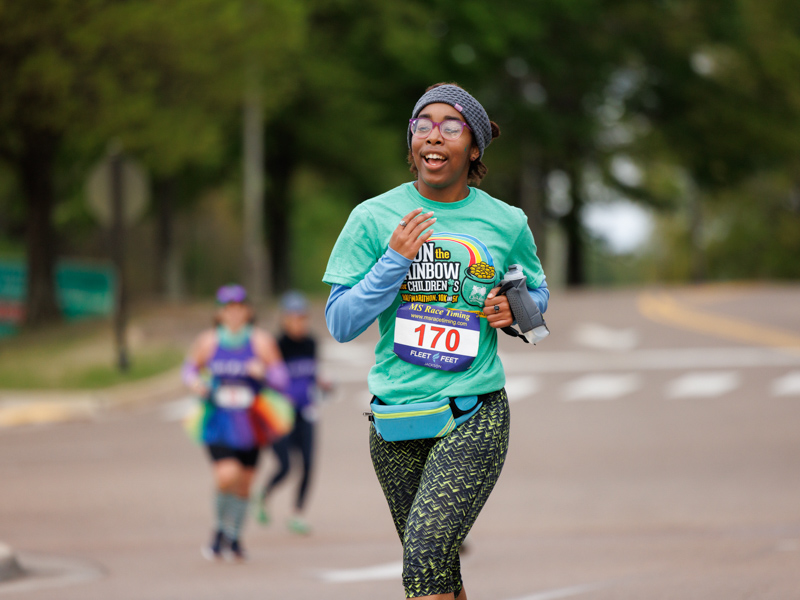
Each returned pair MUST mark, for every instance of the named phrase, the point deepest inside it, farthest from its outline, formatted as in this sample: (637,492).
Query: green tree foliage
(360,62)
(701,94)
(719,93)
(540,69)
(155,76)
(544,71)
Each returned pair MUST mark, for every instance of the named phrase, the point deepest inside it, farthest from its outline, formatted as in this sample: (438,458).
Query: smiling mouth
(434,160)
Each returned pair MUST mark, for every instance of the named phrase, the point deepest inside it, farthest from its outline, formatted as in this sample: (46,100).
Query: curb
(29,407)
(9,565)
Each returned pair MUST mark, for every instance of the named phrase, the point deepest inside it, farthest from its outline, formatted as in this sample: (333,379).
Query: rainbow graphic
(478,252)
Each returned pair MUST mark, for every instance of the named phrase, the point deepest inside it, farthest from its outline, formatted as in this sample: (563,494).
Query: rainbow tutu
(270,417)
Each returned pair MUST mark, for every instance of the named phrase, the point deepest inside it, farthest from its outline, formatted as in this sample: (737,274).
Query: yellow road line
(665,309)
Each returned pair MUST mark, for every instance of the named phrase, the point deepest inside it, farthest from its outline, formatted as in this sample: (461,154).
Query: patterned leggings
(436,488)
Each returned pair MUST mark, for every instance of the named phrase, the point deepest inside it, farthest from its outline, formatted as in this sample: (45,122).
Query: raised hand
(410,233)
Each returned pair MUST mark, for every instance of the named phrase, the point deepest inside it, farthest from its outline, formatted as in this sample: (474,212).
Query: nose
(435,136)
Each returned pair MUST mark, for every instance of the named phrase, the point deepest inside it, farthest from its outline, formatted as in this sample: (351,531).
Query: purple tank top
(228,364)
(232,393)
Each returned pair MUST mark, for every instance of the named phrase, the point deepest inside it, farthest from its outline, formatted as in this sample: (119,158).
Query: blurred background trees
(683,112)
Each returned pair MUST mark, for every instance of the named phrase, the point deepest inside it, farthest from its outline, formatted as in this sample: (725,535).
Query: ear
(474,153)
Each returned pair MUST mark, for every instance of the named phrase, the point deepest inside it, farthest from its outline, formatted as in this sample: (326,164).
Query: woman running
(298,346)
(228,366)
(425,259)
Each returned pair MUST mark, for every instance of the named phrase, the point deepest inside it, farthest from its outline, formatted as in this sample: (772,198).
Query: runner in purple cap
(232,293)
(228,366)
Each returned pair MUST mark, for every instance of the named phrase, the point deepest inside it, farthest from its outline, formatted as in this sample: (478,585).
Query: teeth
(434,157)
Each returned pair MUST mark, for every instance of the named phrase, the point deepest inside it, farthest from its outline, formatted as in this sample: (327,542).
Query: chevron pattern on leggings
(436,488)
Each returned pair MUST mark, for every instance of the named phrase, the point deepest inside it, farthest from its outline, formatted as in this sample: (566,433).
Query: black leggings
(247,458)
(300,438)
(436,488)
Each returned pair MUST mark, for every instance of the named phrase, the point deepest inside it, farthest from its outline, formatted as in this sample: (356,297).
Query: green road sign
(83,289)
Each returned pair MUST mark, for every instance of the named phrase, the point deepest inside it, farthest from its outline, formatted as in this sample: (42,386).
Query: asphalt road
(655,454)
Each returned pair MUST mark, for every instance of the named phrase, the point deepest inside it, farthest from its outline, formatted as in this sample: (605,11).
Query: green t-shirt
(474,242)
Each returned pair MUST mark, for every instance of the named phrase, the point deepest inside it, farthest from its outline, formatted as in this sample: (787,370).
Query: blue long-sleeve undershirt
(351,310)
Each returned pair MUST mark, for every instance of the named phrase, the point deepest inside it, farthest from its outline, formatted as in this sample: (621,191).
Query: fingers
(492,293)
(409,218)
(416,219)
(410,233)
(422,221)
(497,310)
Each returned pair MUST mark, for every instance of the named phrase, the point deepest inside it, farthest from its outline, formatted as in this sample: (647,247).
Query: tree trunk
(280,167)
(35,165)
(698,259)
(573,228)
(531,198)
(257,263)
(170,280)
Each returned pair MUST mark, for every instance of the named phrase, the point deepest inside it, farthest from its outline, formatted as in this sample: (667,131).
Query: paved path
(654,454)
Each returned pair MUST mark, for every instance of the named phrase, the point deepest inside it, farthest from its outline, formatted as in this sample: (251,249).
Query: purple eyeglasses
(451,129)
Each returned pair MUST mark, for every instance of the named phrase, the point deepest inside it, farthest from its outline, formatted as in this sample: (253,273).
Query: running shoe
(236,552)
(299,526)
(214,550)
(263,515)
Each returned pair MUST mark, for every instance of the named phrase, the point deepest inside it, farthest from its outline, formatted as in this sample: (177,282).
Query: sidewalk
(177,323)
(33,407)
(24,407)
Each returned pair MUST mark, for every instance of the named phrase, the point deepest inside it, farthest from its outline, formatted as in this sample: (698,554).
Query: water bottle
(532,327)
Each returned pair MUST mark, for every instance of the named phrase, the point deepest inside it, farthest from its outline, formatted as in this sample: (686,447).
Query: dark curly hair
(477,170)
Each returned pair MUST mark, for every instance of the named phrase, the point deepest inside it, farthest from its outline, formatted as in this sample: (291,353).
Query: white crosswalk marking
(568,592)
(518,388)
(594,335)
(653,359)
(357,353)
(392,570)
(601,387)
(601,375)
(788,385)
(703,385)
(177,410)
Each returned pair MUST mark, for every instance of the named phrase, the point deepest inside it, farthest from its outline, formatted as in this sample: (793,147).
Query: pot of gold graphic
(477,284)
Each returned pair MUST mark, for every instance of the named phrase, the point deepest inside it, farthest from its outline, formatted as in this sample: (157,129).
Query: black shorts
(247,458)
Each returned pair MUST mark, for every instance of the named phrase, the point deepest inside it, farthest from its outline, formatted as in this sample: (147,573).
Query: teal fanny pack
(395,423)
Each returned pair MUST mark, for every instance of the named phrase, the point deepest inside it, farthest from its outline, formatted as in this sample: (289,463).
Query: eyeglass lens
(450,129)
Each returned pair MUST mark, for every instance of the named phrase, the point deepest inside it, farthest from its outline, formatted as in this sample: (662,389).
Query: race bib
(234,396)
(436,337)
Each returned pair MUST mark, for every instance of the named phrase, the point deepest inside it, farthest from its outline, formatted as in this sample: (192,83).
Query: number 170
(451,340)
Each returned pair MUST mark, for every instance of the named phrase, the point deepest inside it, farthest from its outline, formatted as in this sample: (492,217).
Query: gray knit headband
(472,111)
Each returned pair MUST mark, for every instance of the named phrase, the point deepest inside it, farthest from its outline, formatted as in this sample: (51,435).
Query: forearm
(190,374)
(277,376)
(541,296)
(350,311)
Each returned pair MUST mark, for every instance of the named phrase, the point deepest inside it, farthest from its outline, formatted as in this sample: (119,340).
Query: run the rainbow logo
(478,252)
(449,267)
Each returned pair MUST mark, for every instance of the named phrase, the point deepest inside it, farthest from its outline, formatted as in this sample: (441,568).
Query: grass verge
(79,356)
